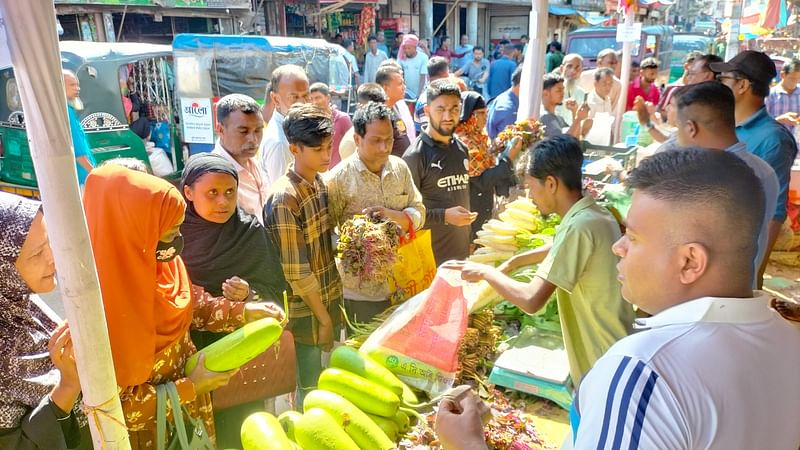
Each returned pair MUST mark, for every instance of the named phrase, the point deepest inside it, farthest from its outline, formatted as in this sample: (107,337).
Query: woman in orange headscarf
(150,304)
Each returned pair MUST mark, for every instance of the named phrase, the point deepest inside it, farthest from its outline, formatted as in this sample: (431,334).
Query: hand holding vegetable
(459,425)
(206,380)
(459,216)
(260,310)
(470,271)
(236,289)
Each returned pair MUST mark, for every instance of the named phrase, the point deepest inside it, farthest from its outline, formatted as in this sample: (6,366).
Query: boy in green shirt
(579,266)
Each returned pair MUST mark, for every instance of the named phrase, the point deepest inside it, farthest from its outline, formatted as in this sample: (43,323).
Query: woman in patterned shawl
(489,173)
(134,221)
(38,376)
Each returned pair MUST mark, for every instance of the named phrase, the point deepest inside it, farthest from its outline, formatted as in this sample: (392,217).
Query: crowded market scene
(399,224)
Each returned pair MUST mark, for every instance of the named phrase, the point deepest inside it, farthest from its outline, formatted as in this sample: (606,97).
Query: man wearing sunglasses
(748,75)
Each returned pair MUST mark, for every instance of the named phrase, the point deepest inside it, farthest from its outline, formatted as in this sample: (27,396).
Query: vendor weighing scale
(536,364)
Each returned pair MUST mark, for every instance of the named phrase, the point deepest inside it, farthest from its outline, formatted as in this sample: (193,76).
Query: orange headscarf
(148,304)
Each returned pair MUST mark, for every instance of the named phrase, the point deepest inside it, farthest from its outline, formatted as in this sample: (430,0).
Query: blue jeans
(309,367)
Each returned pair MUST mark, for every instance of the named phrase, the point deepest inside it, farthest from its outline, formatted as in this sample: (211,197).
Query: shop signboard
(238,4)
(511,25)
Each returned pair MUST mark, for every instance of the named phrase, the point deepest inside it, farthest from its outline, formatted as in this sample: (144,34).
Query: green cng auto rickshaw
(120,83)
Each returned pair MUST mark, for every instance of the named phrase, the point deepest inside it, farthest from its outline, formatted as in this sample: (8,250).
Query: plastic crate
(17,165)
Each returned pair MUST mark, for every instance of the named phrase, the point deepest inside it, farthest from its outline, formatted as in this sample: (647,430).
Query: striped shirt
(781,102)
(296,218)
(708,374)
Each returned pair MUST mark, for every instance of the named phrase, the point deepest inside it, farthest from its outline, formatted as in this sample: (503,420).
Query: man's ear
(219,128)
(357,140)
(294,149)
(693,259)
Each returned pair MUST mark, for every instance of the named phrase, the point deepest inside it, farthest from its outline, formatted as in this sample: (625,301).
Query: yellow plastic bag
(415,267)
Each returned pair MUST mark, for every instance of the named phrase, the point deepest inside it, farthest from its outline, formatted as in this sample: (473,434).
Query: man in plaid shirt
(297,220)
(783,102)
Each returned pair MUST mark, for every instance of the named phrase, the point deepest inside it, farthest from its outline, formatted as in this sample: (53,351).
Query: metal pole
(425,19)
(732,48)
(472,22)
(530,91)
(37,64)
(625,76)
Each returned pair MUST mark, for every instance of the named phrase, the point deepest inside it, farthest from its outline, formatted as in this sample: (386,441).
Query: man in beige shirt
(240,127)
(606,59)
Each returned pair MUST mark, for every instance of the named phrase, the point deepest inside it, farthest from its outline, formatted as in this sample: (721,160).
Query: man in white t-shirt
(717,367)
(289,86)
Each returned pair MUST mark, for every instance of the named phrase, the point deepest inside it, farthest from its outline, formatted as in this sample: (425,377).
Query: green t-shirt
(553,60)
(593,314)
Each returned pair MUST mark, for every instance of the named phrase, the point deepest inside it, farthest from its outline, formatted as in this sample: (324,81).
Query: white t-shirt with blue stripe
(709,374)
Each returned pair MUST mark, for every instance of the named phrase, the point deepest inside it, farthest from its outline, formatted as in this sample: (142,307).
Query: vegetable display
(367,248)
(236,349)
(262,431)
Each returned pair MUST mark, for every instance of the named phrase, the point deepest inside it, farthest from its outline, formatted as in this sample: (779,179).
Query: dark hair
(700,180)
(347,43)
(478,47)
(504,42)
(560,157)
(437,65)
(322,88)
(285,71)
(600,73)
(371,38)
(369,113)
(524,36)
(444,38)
(708,59)
(649,63)
(556,46)
(371,92)
(709,103)
(235,102)
(384,74)
(791,66)
(516,77)
(635,64)
(551,79)
(307,125)
(440,87)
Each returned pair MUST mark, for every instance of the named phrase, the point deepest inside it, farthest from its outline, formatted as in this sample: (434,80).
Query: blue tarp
(567,11)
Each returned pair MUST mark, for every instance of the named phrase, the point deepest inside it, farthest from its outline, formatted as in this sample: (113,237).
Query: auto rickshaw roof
(112,51)
(265,43)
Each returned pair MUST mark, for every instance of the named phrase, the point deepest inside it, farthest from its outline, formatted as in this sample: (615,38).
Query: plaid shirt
(296,218)
(781,102)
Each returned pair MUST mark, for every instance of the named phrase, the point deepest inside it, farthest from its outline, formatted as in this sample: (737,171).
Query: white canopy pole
(625,76)
(30,29)
(530,90)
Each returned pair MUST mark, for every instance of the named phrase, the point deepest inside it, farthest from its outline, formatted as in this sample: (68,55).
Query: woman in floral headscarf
(38,376)
(490,174)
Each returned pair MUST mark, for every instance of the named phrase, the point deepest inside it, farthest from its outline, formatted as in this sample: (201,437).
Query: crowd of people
(204,255)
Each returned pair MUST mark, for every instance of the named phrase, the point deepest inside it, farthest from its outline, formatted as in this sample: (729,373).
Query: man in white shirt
(717,367)
(239,128)
(390,78)
(571,69)
(373,59)
(289,86)
(599,98)
(606,59)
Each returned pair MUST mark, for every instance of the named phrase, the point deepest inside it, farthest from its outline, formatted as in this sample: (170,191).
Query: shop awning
(561,10)
(582,16)
(655,3)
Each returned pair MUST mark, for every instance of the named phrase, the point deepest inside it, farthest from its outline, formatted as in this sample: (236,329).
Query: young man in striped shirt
(783,102)
(708,373)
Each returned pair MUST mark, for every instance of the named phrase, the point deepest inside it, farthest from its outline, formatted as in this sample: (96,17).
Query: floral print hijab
(26,372)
